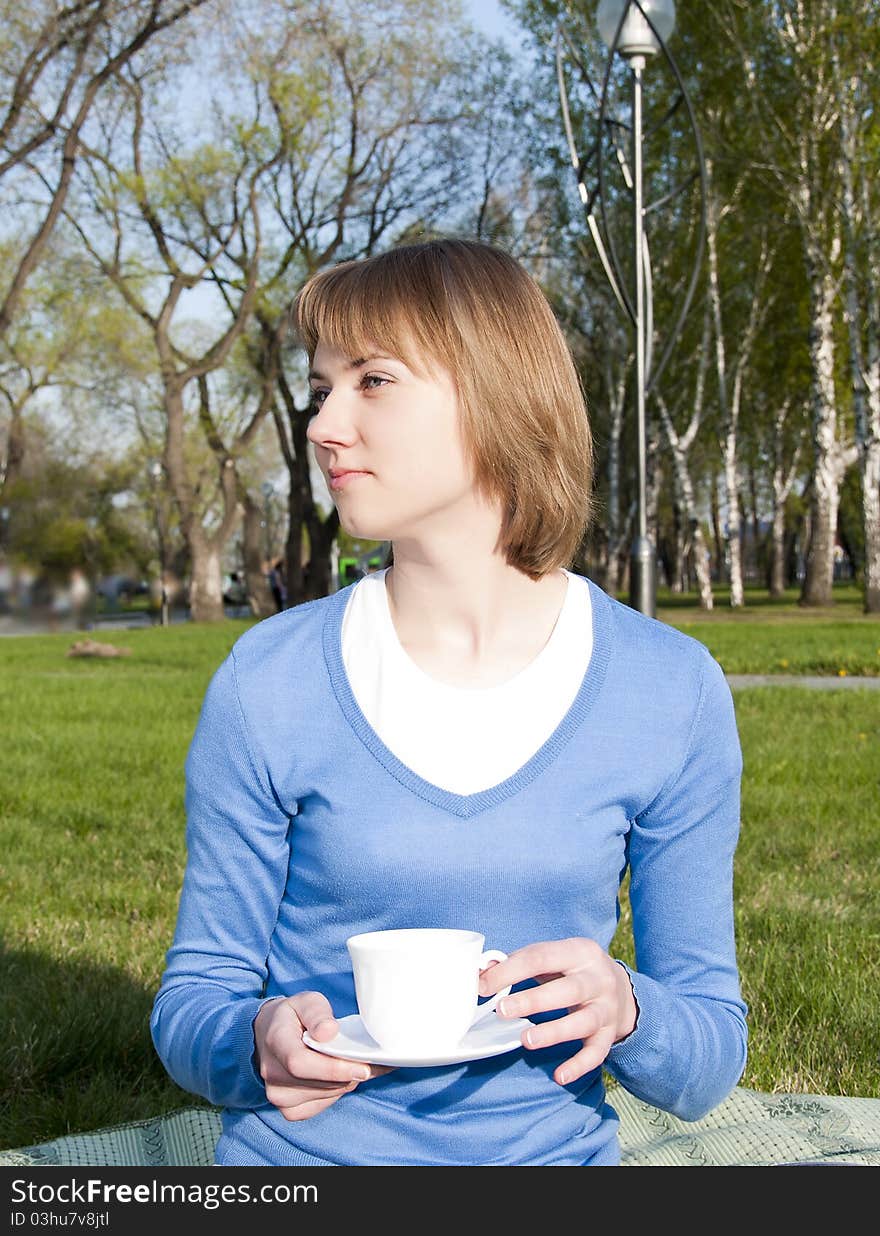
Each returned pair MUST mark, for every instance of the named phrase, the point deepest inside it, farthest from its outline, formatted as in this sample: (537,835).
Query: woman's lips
(345,478)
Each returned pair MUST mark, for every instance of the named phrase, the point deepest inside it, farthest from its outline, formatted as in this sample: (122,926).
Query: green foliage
(63,515)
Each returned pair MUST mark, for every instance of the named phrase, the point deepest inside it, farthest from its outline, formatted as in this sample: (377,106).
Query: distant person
(80,595)
(474,737)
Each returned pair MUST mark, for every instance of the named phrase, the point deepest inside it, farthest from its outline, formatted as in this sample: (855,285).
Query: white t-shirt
(462,739)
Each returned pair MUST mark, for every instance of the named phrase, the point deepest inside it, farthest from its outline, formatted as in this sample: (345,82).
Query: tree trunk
(871,506)
(12,470)
(777,551)
(729,430)
(721,571)
(828,467)
(757,543)
(694,545)
(680,547)
(862,271)
(206,578)
(259,594)
(733,532)
(315,579)
(870,445)
(782,482)
(206,581)
(611,575)
(322,534)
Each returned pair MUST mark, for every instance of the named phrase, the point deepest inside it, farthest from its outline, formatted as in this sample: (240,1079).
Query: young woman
(475,737)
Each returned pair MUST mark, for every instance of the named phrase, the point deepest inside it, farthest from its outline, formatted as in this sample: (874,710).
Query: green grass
(92,853)
(781,637)
(807,889)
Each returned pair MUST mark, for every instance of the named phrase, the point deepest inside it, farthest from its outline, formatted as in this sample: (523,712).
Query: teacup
(417,988)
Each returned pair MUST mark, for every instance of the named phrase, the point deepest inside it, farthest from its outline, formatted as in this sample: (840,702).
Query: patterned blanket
(748,1129)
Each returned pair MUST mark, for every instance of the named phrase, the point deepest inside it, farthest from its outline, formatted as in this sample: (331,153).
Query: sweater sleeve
(237,838)
(688,1048)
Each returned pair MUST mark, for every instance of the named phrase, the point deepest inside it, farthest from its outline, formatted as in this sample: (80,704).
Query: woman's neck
(468,620)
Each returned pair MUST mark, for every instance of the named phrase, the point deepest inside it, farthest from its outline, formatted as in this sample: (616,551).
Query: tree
(858,39)
(57,58)
(198,209)
(788,80)
(45,356)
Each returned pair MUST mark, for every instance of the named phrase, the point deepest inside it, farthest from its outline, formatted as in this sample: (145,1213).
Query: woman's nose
(330,422)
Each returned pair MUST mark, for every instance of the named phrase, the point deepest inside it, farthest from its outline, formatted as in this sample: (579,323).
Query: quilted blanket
(749,1128)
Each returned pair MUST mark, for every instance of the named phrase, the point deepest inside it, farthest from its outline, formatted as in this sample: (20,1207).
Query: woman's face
(388,443)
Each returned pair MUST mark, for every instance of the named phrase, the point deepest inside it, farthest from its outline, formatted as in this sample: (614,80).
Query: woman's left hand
(575,974)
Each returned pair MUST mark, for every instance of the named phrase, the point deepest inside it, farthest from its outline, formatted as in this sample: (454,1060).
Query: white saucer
(490,1037)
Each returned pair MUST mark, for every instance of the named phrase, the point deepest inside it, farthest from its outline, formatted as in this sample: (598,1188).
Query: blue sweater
(303,828)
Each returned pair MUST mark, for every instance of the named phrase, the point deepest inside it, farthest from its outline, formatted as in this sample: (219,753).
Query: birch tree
(857,40)
(789,85)
(680,444)
(730,379)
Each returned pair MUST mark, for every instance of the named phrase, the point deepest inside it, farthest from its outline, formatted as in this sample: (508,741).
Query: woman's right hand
(300,1081)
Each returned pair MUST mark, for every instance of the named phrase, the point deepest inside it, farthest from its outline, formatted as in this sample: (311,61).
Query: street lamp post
(637,30)
(156,472)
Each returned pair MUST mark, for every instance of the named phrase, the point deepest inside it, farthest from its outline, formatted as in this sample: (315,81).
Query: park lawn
(781,637)
(92,853)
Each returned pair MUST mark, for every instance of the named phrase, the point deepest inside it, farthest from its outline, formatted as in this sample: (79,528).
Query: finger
(292,1096)
(316,1014)
(373,1070)
(363,1070)
(546,957)
(581,1024)
(564,992)
(283,1084)
(301,1062)
(303,1111)
(591,1056)
(313,1096)
(280,1079)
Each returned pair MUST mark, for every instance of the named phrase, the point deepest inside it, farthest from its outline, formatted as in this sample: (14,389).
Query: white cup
(417,988)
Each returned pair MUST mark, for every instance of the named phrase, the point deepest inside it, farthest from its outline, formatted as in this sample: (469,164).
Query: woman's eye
(370,381)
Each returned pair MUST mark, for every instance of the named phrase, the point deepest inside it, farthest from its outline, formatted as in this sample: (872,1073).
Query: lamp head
(636,37)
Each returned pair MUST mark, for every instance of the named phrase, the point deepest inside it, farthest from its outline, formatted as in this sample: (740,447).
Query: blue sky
(487,15)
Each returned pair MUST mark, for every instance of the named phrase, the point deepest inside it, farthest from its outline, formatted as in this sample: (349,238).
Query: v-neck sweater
(304,828)
(465,738)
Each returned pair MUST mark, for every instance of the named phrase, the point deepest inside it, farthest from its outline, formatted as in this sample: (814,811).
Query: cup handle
(483,1010)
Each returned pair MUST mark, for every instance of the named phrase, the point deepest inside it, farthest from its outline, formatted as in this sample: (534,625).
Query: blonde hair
(476,312)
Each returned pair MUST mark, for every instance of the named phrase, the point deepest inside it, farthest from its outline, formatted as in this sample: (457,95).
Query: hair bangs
(359,308)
